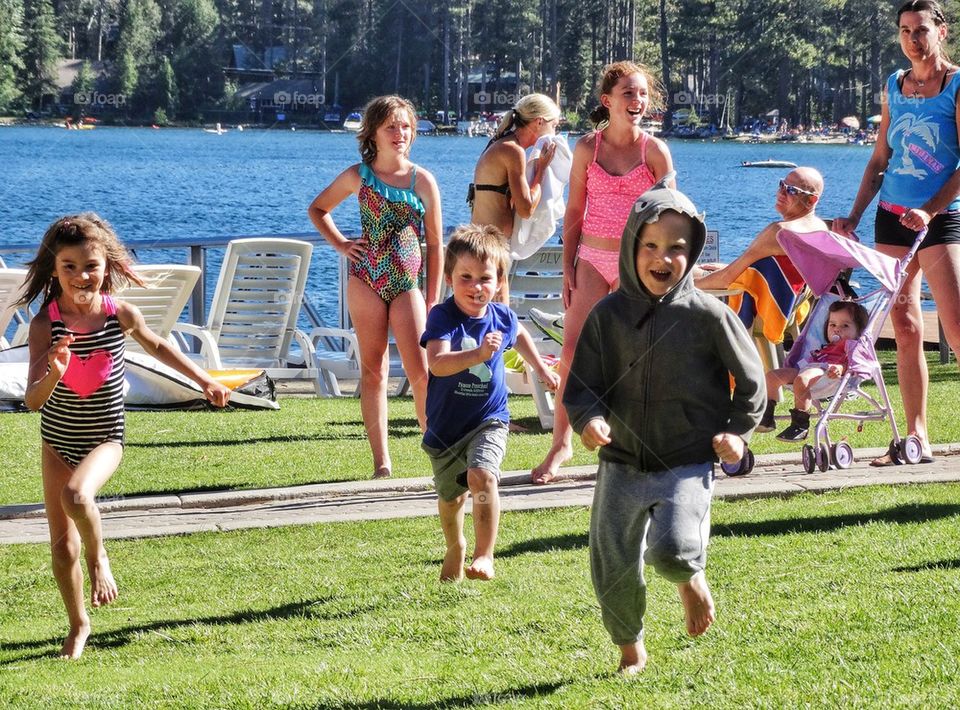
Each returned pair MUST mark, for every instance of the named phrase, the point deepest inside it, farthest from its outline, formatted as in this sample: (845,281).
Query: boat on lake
(767,164)
(353,122)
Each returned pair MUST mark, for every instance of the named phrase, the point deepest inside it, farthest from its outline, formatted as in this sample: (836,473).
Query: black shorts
(944,228)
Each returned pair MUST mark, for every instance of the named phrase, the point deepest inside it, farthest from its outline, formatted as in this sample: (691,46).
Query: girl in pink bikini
(76,381)
(612,167)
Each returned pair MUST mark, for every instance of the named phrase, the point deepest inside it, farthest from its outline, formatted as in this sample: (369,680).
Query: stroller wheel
(808,458)
(742,467)
(842,455)
(894,453)
(823,458)
(912,449)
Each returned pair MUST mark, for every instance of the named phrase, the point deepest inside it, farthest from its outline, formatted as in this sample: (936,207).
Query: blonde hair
(483,242)
(375,114)
(77,230)
(528,109)
(612,73)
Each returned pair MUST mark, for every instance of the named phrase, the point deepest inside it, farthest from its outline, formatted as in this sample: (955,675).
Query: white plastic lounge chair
(253,316)
(537,282)
(337,353)
(161,302)
(11,280)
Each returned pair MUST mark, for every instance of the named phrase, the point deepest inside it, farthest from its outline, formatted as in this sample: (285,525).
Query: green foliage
(160,118)
(11,52)
(43,48)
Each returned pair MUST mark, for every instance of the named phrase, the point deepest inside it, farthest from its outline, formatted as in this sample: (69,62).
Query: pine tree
(42,52)
(11,52)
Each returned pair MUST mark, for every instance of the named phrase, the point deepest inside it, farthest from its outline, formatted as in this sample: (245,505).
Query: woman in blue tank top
(915,167)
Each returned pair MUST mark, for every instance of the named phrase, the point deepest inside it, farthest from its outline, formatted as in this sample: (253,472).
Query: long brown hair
(612,73)
(75,230)
(375,114)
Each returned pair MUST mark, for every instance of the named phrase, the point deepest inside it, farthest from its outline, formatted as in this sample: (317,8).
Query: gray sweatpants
(659,517)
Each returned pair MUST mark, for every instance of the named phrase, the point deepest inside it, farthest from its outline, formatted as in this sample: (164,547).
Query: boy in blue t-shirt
(467,413)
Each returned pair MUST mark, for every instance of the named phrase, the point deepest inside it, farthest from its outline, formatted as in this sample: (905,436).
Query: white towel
(532,233)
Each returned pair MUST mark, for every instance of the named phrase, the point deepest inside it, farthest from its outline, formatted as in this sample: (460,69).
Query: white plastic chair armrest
(208,346)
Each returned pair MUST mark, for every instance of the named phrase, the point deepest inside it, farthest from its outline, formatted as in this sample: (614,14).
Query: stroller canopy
(820,257)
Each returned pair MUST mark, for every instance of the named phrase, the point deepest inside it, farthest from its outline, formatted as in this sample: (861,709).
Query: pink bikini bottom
(607,263)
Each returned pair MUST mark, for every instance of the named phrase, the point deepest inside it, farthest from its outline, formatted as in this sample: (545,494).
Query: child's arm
(573,215)
(131,320)
(344,185)
(660,160)
(433,234)
(583,393)
(528,351)
(444,362)
(47,363)
(739,356)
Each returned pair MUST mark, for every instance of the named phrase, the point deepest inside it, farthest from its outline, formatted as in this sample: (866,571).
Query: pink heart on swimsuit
(85,375)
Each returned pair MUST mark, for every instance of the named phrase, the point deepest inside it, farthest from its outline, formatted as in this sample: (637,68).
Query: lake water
(156,185)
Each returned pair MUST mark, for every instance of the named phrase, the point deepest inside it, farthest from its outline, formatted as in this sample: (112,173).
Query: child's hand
(550,379)
(217,394)
(59,355)
(355,249)
(491,343)
(729,447)
(834,371)
(596,433)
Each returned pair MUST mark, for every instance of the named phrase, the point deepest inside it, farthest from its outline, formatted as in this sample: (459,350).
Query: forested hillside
(810,59)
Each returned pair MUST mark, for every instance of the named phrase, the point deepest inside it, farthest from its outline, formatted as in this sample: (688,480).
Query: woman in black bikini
(500,189)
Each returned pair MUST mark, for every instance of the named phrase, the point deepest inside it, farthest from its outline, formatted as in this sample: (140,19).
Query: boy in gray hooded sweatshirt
(650,385)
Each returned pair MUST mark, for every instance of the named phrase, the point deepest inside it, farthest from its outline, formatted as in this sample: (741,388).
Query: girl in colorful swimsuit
(612,167)
(399,206)
(76,381)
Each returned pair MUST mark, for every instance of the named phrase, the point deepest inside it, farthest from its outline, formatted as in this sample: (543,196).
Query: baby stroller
(823,258)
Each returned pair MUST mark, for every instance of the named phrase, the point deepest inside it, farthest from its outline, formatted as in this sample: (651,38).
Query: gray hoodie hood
(648,208)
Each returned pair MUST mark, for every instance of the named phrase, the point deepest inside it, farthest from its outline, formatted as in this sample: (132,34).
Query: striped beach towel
(770,286)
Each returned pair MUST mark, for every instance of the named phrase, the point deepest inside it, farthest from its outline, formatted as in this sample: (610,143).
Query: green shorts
(483,447)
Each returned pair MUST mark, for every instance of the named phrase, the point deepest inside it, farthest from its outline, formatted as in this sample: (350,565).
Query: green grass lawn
(846,599)
(316,440)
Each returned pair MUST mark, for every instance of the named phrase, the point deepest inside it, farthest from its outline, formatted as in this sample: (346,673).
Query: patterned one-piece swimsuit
(85,409)
(392,221)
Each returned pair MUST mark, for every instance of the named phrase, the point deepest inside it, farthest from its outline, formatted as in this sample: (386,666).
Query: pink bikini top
(610,197)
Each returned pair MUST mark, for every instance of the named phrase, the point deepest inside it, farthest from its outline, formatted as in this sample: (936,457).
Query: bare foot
(547,470)
(697,604)
(75,641)
(452,570)
(633,658)
(382,472)
(482,568)
(103,589)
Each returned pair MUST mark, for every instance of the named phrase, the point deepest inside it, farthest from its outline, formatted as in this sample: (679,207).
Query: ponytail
(506,125)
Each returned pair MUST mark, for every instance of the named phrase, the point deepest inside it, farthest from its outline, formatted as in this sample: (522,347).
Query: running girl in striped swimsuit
(76,381)
(612,167)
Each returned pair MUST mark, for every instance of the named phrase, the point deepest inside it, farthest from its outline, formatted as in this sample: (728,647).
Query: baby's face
(841,326)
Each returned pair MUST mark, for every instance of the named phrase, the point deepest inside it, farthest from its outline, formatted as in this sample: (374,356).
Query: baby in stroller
(845,322)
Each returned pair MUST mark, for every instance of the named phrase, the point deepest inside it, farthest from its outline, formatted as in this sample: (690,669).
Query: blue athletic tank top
(923,138)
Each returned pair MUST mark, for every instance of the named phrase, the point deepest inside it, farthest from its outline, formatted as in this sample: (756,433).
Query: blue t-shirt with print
(459,403)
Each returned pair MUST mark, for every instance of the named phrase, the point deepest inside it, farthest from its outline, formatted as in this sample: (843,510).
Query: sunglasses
(793,190)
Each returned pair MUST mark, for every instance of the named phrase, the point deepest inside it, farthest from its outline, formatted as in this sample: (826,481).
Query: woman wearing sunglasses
(797,197)
(916,170)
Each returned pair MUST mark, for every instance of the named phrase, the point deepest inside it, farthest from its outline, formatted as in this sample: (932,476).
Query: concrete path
(175,514)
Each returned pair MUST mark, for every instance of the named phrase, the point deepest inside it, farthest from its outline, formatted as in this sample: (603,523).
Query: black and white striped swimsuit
(85,409)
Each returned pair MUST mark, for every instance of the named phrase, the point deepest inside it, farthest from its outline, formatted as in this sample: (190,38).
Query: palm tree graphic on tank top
(481,371)
(927,132)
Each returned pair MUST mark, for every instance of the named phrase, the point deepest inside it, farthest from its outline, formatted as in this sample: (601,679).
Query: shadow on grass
(557,543)
(922,513)
(393,432)
(534,690)
(310,609)
(928,566)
